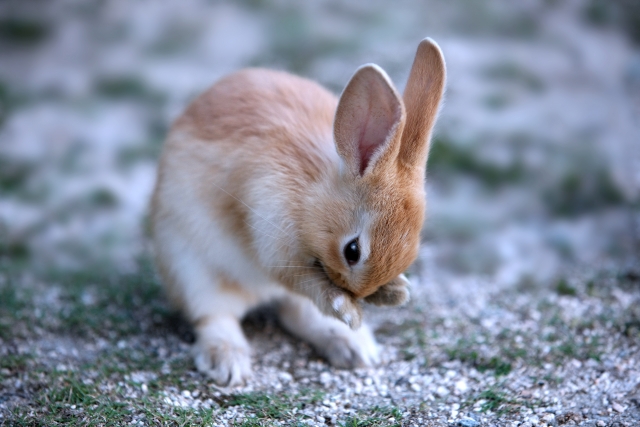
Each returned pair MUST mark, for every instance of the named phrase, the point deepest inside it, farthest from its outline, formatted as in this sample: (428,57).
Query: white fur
(338,302)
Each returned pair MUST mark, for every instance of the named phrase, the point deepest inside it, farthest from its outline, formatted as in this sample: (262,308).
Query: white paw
(348,349)
(226,364)
(346,309)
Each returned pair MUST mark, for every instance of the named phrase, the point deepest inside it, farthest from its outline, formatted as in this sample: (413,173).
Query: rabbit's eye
(352,252)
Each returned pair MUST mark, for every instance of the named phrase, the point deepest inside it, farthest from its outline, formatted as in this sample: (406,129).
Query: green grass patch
(16,308)
(564,288)
(271,407)
(582,189)
(131,155)
(295,45)
(128,87)
(13,174)
(98,392)
(574,347)
(21,31)
(497,101)
(14,363)
(67,400)
(100,300)
(447,158)
(571,340)
(102,198)
(498,402)
(378,416)
(97,301)
(466,351)
(620,14)
(510,72)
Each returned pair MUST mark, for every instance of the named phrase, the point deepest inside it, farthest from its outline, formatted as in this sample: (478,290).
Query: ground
(525,298)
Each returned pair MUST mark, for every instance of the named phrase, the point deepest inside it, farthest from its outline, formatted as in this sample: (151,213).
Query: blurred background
(534,173)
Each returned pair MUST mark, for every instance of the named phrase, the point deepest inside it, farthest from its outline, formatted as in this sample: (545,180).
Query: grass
(498,402)
(559,339)
(70,401)
(620,14)
(447,158)
(467,351)
(578,182)
(127,87)
(13,174)
(100,392)
(265,407)
(582,189)
(22,32)
(569,341)
(378,416)
(565,289)
(511,72)
(11,364)
(296,44)
(16,308)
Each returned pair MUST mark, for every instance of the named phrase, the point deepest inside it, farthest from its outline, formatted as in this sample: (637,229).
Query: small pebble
(462,386)
(468,422)
(548,418)
(617,407)
(285,377)
(442,391)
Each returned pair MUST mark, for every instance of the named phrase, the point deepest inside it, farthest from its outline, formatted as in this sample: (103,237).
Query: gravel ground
(525,307)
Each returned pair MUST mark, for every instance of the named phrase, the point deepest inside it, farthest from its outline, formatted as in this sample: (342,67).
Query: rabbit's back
(266,104)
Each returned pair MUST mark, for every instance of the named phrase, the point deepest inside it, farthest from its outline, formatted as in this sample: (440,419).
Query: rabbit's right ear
(422,97)
(369,119)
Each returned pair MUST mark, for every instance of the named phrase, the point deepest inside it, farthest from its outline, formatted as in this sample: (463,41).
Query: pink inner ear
(373,134)
(368,113)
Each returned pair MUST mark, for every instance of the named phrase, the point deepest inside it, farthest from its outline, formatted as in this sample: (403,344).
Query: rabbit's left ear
(369,119)
(395,292)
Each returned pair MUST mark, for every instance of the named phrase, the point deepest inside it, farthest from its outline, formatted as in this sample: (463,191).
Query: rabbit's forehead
(360,229)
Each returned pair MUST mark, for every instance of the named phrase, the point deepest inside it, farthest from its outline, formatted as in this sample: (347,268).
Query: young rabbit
(271,188)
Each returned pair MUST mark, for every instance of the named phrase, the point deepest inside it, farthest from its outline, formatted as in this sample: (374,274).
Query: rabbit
(270,188)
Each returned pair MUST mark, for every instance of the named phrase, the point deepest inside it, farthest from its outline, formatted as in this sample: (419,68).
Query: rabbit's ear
(422,97)
(395,292)
(368,120)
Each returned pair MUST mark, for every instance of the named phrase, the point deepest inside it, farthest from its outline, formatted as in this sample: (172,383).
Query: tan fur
(264,180)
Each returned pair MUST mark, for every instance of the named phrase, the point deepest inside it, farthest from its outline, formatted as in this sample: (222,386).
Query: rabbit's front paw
(351,349)
(346,309)
(226,364)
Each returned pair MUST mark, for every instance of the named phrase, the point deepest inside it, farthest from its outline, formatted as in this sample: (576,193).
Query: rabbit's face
(369,239)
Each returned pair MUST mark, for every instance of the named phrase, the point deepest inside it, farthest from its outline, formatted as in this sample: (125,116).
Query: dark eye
(352,252)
